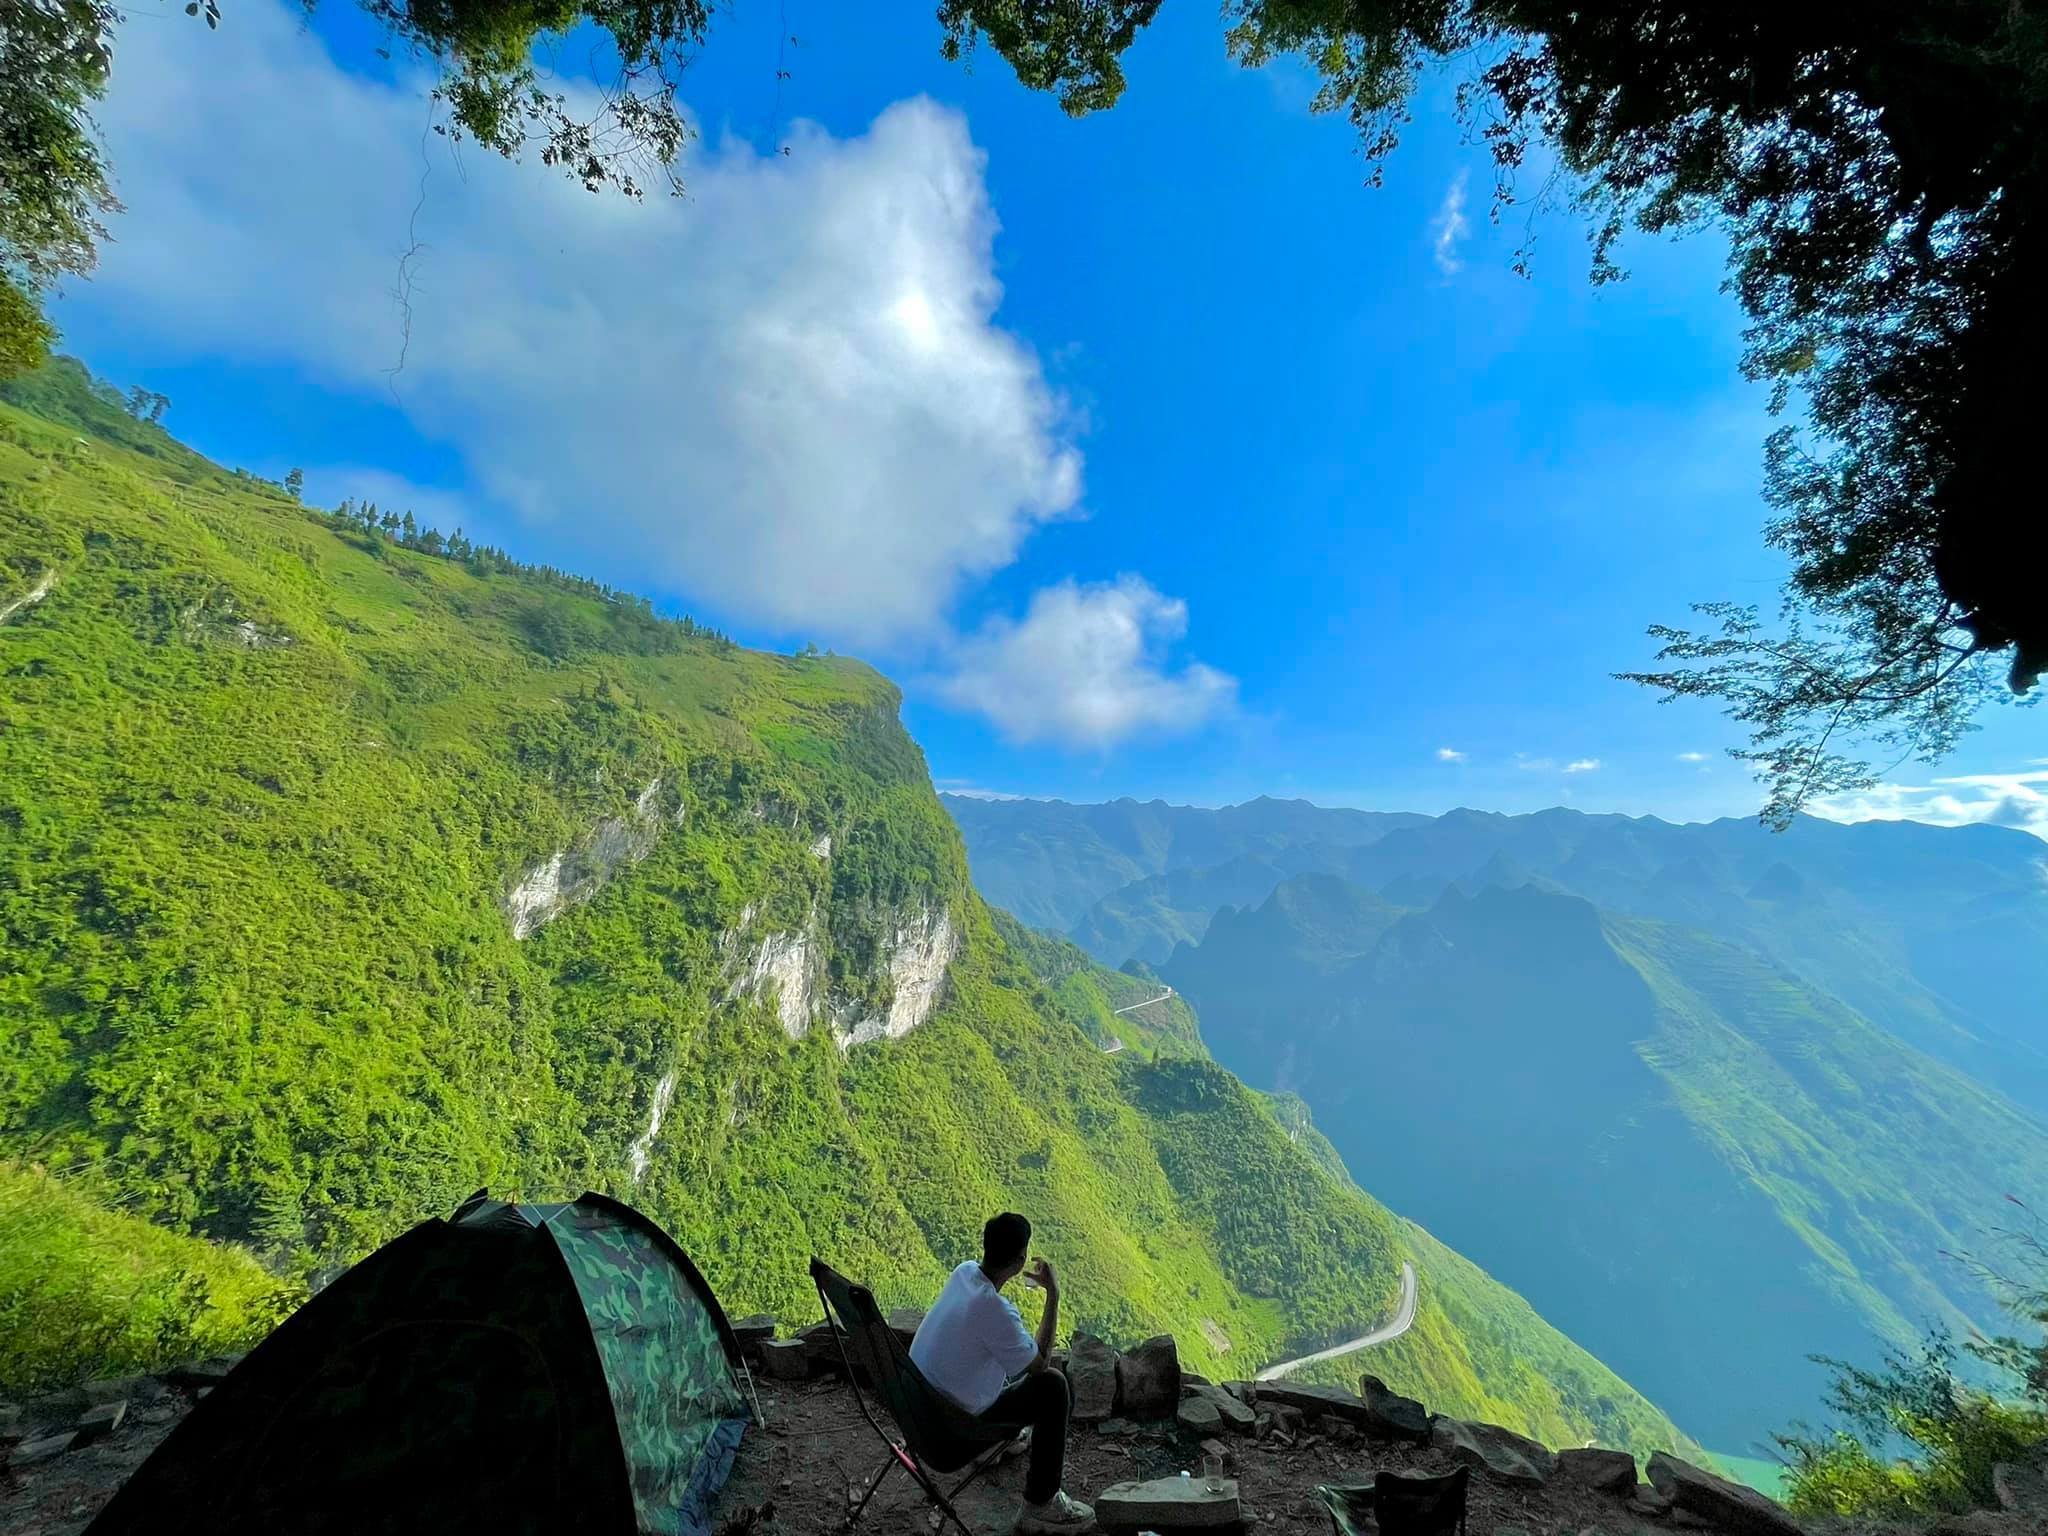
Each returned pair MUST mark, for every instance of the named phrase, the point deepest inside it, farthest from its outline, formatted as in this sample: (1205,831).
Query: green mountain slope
(1681,1153)
(1120,1011)
(344,869)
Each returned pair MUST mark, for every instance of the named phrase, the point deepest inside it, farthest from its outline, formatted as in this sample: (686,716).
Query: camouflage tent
(515,1368)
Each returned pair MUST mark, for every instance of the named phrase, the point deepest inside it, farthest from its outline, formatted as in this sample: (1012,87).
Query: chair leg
(939,1498)
(874,1483)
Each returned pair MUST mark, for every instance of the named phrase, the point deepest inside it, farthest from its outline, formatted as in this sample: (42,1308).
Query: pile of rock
(808,1352)
(1676,1490)
(42,1428)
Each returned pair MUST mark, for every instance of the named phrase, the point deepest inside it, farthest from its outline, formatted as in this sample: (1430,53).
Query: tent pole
(747,1371)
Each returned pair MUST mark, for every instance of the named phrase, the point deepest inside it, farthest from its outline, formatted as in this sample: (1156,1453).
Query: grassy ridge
(277,790)
(81,1284)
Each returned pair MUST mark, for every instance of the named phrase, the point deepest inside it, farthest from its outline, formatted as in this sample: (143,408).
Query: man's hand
(1040,1274)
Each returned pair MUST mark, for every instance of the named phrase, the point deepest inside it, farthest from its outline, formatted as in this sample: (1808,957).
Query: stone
(904,1323)
(1174,1503)
(1733,1508)
(1313,1402)
(1606,1471)
(1992,1522)
(100,1420)
(56,1407)
(120,1388)
(1499,1453)
(1194,1379)
(195,1374)
(785,1359)
(1243,1391)
(1115,1427)
(1199,1415)
(1233,1414)
(1650,1503)
(41,1450)
(1091,1372)
(1148,1379)
(2022,1485)
(754,1331)
(1287,1420)
(1389,1415)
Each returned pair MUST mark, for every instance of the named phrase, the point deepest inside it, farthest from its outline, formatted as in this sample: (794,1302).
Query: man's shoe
(1019,1445)
(1057,1516)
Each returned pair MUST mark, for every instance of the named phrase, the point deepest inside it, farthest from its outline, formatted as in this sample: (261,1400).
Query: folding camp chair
(1406,1504)
(936,1436)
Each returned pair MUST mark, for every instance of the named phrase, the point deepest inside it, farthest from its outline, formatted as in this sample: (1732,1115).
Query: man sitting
(973,1347)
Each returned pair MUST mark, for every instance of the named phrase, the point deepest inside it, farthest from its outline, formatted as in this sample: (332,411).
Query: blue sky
(1153,453)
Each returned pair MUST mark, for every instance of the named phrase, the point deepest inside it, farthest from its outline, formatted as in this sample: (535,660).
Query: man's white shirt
(972,1341)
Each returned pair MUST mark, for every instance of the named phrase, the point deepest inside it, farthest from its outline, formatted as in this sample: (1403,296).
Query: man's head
(1005,1243)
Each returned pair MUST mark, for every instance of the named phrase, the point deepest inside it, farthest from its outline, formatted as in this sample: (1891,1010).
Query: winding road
(1404,1319)
(1147,1003)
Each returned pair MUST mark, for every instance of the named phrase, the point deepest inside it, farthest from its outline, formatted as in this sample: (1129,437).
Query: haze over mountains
(1713,1098)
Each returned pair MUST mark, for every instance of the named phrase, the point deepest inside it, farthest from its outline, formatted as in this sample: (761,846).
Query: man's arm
(1042,1276)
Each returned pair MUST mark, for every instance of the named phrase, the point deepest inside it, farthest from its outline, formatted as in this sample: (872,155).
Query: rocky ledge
(1141,1421)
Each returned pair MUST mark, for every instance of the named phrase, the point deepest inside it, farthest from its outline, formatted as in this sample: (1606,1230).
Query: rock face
(643,1144)
(1605,1471)
(921,946)
(1091,1372)
(1499,1453)
(1168,1503)
(1389,1415)
(789,964)
(1148,1379)
(920,950)
(575,874)
(1729,1506)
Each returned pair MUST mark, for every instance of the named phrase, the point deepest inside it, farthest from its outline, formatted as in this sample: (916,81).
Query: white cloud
(1084,668)
(785,393)
(1450,226)
(1449,755)
(1692,757)
(2018,800)
(1583,765)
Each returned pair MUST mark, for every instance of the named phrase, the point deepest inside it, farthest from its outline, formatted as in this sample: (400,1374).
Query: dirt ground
(801,1473)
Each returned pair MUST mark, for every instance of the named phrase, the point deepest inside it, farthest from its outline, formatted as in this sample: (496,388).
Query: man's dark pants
(1043,1401)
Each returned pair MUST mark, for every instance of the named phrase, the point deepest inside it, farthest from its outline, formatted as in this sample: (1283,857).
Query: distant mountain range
(1712,1098)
